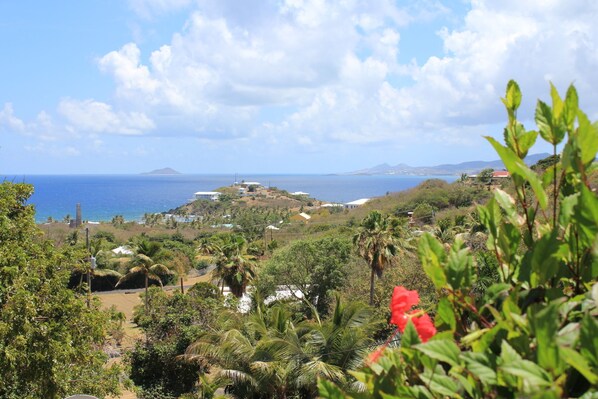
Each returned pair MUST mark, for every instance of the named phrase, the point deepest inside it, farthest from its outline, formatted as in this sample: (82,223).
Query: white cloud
(457,94)
(9,121)
(89,116)
(53,150)
(150,8)
(311,72)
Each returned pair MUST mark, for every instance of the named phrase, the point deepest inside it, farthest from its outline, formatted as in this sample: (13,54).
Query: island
(163,171)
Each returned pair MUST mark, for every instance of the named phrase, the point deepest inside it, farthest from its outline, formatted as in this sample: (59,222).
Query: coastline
(104,196)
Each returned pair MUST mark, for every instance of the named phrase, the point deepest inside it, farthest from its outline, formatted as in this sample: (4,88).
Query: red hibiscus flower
(424,326)
(402,301)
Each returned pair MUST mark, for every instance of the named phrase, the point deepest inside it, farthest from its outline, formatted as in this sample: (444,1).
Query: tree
(234,266)
(273,354)
(311,269)
(172,324)
(118,221)
(423,214)
(485,176)
(377,241)
(143,264)
(50,341)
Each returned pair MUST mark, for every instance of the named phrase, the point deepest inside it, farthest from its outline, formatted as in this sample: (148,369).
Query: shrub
(532,330)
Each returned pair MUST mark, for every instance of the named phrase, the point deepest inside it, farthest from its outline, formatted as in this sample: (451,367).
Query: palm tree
(234,266)
(377,241)
(272,355)
(143,264)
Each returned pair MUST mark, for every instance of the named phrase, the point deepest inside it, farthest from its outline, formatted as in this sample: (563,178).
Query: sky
(277,86)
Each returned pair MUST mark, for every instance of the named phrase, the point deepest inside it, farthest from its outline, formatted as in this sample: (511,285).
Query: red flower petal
(402,301)
(399,320)
(424,326)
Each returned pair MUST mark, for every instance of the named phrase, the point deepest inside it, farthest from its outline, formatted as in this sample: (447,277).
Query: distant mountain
(470,167)
(163,171)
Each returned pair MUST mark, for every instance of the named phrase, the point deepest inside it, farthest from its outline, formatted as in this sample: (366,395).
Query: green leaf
(446,314)
(557,102)
(512,99)
(432,256)
(571,107)
(441,349)
(329,390)
(586,217)
(544,324)
(440,383)
(530,372)
(480,365)
(511,363)
(579,363)
(459,266)
(567,208)
(588,338)
(516,166)
(507,203)
(409,337)
(587,136)
(544,258)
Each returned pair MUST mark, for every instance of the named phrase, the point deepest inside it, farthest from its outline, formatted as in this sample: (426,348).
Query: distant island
(441,170)
(163,171)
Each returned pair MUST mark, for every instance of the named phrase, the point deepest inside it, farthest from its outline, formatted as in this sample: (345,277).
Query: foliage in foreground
(273,354)
(171,324)
(50,341)
(535,332)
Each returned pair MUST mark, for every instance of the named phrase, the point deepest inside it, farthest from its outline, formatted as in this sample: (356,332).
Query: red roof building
(500,174)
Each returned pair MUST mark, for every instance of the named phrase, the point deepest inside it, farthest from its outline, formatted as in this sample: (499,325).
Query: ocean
(104,196)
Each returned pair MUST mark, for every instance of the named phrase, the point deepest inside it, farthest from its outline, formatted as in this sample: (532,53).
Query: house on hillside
(301,217)
(207,195)
(500,174)
(356,203)
(300,193)
(332,205)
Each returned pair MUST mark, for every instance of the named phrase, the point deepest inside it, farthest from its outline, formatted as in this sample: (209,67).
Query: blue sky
(285,86)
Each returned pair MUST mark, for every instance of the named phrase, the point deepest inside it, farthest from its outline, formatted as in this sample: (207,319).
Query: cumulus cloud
(150,8)
(89,116)
(458,91)
(8,120)
(312,72)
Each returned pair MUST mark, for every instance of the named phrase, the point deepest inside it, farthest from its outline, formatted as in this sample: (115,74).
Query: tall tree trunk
(372,287)
(146,283)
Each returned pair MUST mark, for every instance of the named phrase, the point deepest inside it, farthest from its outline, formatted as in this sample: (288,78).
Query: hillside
(470,167)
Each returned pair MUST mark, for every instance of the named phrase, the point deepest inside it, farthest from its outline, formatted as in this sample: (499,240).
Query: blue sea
(104,196)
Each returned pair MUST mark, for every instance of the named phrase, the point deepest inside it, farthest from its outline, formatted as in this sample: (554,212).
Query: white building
(207,195)
(356,203)
(332,205)
(300,193)
(250,184)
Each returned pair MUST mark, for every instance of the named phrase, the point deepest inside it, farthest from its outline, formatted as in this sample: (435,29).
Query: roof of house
(299,193)
(358,202)
(500,173)
(305,215)
(208,193)
(122,250)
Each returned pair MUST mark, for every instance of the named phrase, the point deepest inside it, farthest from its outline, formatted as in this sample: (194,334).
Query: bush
(530,330)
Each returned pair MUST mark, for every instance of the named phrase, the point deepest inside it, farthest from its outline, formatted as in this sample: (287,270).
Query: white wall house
(356,203)
(207,195)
